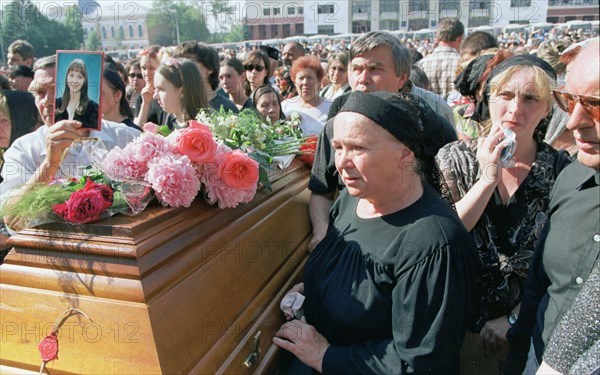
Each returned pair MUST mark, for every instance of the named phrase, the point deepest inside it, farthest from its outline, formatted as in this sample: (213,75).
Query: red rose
(238,170)
(61,210)
(103,189)
(197,143)
(85,206)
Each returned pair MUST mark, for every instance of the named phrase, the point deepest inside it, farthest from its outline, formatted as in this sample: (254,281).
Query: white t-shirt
(313,119)
(25,155)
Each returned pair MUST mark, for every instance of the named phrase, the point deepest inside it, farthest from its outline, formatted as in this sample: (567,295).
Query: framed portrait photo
(78,80)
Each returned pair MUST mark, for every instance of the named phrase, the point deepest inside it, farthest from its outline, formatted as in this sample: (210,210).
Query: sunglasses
(251,67)
(136,75)
(567,101)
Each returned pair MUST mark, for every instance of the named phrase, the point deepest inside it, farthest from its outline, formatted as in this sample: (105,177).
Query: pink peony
(196,143)
(174,180)
(148,146)
(123,164)
(150,127)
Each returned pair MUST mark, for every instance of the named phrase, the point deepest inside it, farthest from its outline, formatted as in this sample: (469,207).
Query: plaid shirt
(439,66)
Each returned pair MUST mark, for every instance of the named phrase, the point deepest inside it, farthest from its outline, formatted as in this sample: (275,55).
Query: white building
(327,17)
(122,26)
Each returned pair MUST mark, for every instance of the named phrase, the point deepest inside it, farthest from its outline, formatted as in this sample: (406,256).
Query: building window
(274,30)
(267,11)
(291,11)
(325,9)
(103,32)
(520,3)
(361,6)
(112,31)
(131,31)
(389,6)
(301,12)
(277,11)
(325,29)
(262,31)
(418,6)
(388,25)
(299,28)
(286,30)
(361,27)
(140,31)
(121,32)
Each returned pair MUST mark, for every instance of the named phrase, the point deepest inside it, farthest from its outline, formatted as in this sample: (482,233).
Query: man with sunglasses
(570,245)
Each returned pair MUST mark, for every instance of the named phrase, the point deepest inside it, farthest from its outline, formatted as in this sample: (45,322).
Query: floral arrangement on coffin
(262,140)
(174,165)
(178,165)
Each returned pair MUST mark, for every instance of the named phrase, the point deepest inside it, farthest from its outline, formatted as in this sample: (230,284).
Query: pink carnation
(217,190)
(174,180)
(123,164)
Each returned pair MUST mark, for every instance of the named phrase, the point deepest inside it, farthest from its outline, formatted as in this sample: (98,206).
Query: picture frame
(78,81)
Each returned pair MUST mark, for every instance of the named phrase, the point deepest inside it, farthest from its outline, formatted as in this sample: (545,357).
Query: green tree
(74,27)
(93,42)
(238,33)
(23,20)
(170,21)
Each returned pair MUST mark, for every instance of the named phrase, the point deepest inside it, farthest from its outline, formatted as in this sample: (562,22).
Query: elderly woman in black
(502,198)
(388,290)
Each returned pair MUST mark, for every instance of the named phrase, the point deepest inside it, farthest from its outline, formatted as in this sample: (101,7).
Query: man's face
(21,83)
(42,87)
(375,71)
(15,59)
(584,79)
(290,54)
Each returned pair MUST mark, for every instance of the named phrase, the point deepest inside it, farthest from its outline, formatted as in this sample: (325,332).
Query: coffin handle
(255,352)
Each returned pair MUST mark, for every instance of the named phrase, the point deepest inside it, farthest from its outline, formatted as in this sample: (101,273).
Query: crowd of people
(455,191)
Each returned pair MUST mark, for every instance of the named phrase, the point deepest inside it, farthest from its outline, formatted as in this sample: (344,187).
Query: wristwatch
(512,318)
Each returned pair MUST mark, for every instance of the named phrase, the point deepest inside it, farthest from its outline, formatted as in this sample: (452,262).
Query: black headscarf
(392,113)
(468,81)
(482,111)
(399,114)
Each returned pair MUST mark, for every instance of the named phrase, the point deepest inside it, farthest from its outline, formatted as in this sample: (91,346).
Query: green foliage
(21,19)
(93,42)
(168,19)
(37,203)
(73,26)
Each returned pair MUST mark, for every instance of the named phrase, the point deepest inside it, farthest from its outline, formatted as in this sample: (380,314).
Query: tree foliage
(169,19)
(21,19)
(93,42)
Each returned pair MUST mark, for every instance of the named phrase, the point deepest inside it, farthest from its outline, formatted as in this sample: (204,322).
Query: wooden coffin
(168,291)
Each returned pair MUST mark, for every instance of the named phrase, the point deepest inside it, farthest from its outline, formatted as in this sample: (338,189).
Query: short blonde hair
(542,81)
(4,108)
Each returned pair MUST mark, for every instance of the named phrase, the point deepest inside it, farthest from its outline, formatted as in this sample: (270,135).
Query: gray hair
(374,39)
(45,62)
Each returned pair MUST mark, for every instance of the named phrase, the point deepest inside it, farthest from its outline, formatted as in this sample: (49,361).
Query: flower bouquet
(222,160)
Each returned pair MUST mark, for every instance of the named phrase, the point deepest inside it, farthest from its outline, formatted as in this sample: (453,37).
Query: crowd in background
(463,92)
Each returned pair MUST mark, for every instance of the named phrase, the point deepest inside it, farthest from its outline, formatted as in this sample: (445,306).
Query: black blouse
(392,294)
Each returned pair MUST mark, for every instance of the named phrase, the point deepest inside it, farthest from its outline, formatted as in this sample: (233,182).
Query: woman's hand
(489,150)
(147,94)
(303,341)
(299,288)
(493,335)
